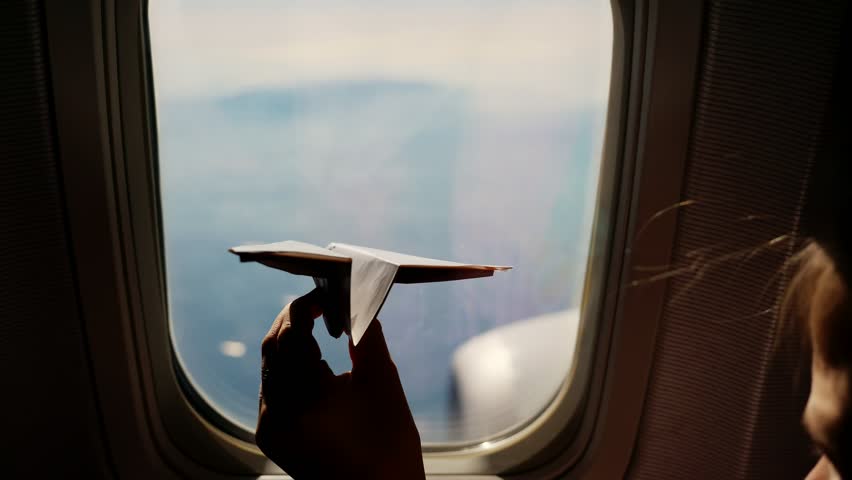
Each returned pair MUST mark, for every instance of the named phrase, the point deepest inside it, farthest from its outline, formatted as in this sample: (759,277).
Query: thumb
(371,355)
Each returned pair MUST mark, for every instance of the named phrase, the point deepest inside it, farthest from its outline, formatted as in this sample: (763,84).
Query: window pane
(466,131)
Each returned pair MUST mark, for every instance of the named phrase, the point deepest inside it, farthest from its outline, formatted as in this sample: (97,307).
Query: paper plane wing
(297,258)
(413,269)
(331,273)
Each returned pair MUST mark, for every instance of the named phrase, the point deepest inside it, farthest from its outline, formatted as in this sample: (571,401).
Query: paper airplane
(356,280)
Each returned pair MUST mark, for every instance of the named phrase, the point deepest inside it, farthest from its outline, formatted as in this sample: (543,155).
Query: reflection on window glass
(466,130)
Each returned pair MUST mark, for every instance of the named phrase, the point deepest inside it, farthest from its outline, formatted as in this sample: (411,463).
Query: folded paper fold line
(356,280)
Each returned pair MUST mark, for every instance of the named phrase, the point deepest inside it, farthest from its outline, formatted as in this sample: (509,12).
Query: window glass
(460,130)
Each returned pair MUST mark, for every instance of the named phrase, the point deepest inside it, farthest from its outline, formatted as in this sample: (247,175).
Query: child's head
(820,297)
(820,291)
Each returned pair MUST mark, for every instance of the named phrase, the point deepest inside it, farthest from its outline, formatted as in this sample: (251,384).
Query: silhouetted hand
(314,424)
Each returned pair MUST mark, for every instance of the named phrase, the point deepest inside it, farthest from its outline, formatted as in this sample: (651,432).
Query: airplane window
(465,131)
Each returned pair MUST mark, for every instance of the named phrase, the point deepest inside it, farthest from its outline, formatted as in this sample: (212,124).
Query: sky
(556,52)
(468,131)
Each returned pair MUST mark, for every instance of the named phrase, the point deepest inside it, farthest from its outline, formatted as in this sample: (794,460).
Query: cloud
(509,55)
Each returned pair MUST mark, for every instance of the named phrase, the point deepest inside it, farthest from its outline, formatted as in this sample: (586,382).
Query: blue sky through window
(460,130)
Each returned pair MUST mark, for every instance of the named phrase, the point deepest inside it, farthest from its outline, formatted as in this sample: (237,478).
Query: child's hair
(817,297)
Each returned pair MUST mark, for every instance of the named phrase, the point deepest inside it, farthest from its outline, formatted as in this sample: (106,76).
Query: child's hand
(314,424)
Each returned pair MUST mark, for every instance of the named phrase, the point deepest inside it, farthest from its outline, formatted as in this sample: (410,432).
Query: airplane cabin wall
(729,381)
(50,416)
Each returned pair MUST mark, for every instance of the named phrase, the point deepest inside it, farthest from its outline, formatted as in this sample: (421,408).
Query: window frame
(101,78)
